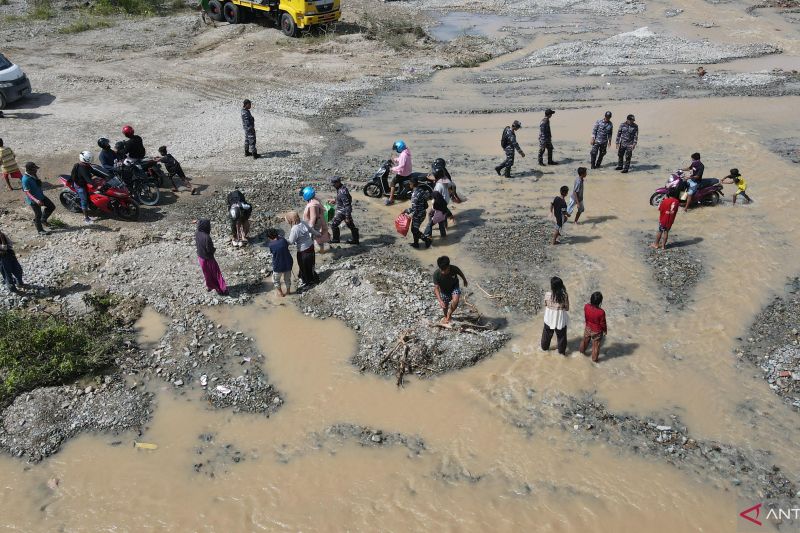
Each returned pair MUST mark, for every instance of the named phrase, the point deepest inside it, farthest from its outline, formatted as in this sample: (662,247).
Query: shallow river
(478,472)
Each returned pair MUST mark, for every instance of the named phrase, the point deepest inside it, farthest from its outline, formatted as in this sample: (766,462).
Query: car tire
(215,10)
(232,13)
(2,101)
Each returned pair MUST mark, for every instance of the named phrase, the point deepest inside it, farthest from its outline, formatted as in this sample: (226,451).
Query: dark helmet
(439,163)
(102,142)
(119,146)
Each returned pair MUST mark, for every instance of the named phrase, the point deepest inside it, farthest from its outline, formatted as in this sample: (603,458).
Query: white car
(14,84)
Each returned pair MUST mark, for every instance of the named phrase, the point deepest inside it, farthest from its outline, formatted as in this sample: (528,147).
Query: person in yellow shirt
(741,184)
(8,165)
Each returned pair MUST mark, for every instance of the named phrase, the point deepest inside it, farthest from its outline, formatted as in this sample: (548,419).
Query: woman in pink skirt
(205,256)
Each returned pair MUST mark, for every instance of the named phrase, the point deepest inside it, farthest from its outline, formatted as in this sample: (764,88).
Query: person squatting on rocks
(446,288)
(282,262)
(741,185)
(10,268)
(173,169)
(556,315)
(576,200)
(239,211)
(509,144)
(595,328)
(81,178)
(696,167)
(134,146)
(668,210)
(302,235)
(602,134)
(35,198)
(546,138)
(314,216)
(205,256)
(418,210)
(401,169)
(249,126)
(344,211)
(558,210)
(627,139)
(8,165)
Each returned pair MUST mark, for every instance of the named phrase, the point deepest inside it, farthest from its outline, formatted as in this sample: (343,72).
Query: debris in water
(52,483)
(145,445)
(222,389)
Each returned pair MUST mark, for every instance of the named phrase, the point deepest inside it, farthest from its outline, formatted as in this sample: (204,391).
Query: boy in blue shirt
(34,197)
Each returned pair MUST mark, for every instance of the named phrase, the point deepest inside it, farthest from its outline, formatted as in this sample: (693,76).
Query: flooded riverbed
(478,449)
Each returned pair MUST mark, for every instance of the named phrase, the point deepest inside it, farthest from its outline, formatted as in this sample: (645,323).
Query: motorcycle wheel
(372,190)
(147,193)
(657,198)
(128,212)
(70,201)
(712,199)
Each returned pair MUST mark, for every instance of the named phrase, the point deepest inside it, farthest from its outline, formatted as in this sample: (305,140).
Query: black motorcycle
(142,185)
(379,184)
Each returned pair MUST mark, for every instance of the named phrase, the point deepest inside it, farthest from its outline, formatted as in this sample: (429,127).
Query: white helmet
(86,157)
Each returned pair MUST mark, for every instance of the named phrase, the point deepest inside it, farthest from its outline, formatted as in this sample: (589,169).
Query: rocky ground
(676,269)
(773,344)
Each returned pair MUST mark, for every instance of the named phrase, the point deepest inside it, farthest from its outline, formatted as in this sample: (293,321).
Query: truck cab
(291,16)
(14,84)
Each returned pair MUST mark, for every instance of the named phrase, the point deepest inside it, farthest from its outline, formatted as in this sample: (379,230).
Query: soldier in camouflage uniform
(546,139)
(249,125)
(509,143)
(602,134)
(344,211)
(627,138)
(418,210)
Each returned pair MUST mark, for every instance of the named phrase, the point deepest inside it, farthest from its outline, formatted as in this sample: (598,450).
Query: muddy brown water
(478,472)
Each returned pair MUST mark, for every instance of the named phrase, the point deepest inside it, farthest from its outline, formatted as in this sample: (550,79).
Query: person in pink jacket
(401,168)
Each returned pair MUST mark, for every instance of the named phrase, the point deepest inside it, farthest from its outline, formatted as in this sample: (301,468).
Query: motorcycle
(708,193)
(112,198)
(143,188)
(379,184)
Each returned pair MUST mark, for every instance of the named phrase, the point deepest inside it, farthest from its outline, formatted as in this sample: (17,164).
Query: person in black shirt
(445,286)
(558,209)
(134,145)
(697,168)
(173,168)
(239,210)
(81,178)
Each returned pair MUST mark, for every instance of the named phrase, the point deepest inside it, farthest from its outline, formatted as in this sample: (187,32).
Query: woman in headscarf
(303,235)
(9,266)
(205,256)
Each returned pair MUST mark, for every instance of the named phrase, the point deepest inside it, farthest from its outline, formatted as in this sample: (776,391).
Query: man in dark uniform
(249,125)
(602,134)
(546,138)
(509,143)
(627,137)
(344,211)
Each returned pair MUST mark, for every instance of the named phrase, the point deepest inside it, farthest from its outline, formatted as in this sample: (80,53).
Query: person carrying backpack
(508,141)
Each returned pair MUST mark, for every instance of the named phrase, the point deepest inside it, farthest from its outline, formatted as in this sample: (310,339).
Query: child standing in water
(741,184)
(595,328)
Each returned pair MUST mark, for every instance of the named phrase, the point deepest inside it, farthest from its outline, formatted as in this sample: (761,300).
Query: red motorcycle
(111,197)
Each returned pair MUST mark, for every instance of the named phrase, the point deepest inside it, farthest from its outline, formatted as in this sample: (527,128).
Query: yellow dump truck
(291,16)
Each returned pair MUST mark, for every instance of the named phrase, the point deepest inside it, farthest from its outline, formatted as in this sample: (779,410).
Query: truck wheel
(231,13)
(288,26)
(215,10)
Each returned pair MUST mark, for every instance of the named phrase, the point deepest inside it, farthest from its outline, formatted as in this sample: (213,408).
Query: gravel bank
(676,270)
(773,344)
(641,47)
(386,296)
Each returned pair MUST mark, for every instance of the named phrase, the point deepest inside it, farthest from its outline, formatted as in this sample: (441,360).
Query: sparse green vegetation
(146,8)
(41,10)
(43,349)
(56,222)
(81,25)
(398,33)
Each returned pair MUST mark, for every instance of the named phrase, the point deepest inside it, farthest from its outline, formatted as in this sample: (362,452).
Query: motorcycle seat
(708,182)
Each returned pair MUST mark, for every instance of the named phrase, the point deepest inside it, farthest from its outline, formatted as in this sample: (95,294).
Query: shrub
(42,10)
(127,7)
(79,26)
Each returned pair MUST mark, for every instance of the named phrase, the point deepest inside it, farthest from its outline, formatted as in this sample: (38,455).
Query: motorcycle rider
(401,168)
(344,211)
(107,157)
(508,142)
(134,147)
(82,179)
(602,132)
(697,168)
(239,210)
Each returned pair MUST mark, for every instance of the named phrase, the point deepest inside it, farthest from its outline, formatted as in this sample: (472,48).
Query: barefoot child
(558,210)
(741,184)
(595,328)
(173,169)
(445,287)
(668,209)
(281,262)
